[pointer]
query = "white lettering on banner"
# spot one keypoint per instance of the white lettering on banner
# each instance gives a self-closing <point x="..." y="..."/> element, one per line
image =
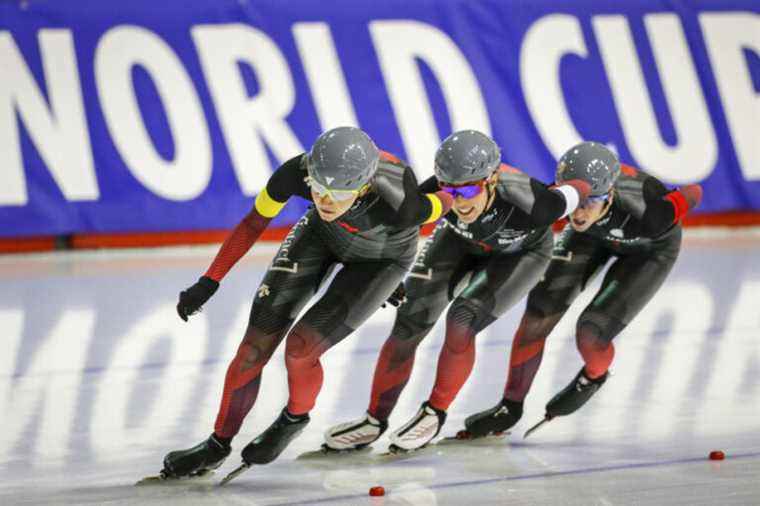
<point x="694" y="155"/>
<point x="726" y="34"/>
<point x="118" y="51"/>
<point x="325" y="75"/>
<point x="249" y="121"/>
<point x="52" y="381"/>
<point x="59" y="131"/>
<point x="546" y="42"/>
<point x="174" y="389"/>
<point x="399" y="44"/>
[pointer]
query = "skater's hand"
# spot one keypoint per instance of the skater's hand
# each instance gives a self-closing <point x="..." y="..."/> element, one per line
<point x="398" y="296"/>
<point x="191" y="300"/>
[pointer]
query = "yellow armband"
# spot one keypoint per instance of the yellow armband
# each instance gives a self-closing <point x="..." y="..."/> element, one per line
<point x="267" y="206"/>
<point x="435" y="202"/>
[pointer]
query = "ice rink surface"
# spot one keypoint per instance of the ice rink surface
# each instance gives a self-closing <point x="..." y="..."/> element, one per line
<point x="99" y="378"/>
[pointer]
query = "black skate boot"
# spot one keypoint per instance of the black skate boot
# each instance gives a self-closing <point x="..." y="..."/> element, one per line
<point x="574" y="395"/>
<point x="196" y="461"/>
<point x="492" y="421"/>
<point x="271" y="443"/>
<point x="571" y="398"/>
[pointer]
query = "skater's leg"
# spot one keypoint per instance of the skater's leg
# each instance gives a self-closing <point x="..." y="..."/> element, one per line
<point x="464" y="320"/>
<point x="597" y="351"/>
<point x="291" y="280"/>
<point x="576" y="260"/>
<point x="241" y="383"/>
<point x="333" y="317"/>
<point x="528" y="348"/>
<point x="493" y="290"/>
<point x="301" y="263"/>
<point x="340" y="311"/>
<point x="628" y="286"/>
<point x="498" y="282"/>
<point x="395" y="363"/>
<point x="430" y="286"/>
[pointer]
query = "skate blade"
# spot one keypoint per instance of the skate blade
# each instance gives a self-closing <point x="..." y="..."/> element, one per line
<point x="151" y="480"/>
<point x="537" y="426"/>
<point x="234" y="474"/>
<point x="162" y="479"/>
<point x="397" y="453"/>
<point x="463" y="438"/>
<point x="328" y="453"/>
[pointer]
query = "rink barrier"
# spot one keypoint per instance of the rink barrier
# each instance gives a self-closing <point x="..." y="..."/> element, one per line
<point x="196" y="237"/>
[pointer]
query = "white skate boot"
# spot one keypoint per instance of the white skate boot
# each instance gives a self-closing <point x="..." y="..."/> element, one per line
<point x="354" y="435"/>
<point x="418" y="431"/>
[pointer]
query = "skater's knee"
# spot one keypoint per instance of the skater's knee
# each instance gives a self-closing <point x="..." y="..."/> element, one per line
<point x="298" y="344"/>
<point x="464" y="320"/>
<point x="410" y="331"/>
<point x="597" y="328"/>
<point x="303" y="346"/>
<point x="535" y="327"/>
<point x="459" y="343"/>
<point x="256" y="349"/>
<point x="588" y="336"/>
<point x="262" y="336"/>
<point x="545" y="306"/>
<point x="400" y="350"/>
<point x="468" y="315"/>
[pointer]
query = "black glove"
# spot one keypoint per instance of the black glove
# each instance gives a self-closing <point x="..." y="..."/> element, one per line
<point x="398" y="296"/>
<point x="191" y="300"/>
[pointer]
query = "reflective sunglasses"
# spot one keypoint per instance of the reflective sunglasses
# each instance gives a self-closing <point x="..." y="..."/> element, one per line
<point x="466" y="191"/>
<point x="335" y="195"/>
<point x="592" y="200"/>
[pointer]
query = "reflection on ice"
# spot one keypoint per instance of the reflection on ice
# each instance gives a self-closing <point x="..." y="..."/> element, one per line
<point x="99" y="378"/>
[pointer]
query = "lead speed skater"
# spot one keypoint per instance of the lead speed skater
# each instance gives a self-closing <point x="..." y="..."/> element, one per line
<point x="366" y="216"/>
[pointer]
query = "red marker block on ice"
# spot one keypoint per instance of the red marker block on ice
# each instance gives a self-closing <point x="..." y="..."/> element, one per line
<point x="717" y="455"/>
<point x="376" y="491"/>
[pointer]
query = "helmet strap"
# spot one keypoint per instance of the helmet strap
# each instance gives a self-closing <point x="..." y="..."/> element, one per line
<point x="364" y="189"/>
<point x="607" y="205"/>
<point x="491" y="191"/>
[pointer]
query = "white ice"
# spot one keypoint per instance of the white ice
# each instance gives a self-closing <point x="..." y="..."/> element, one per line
<point x="99" y="378"/>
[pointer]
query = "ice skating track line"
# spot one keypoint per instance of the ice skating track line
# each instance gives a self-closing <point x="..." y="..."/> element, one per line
<point x="550" y="474"/>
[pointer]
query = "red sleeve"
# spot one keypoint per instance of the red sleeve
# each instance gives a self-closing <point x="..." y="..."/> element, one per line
<point x="684" y="199"/>
<point x="237" y="244"/>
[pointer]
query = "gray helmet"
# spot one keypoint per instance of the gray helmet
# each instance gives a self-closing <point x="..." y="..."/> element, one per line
<point x="465" y="156"/>
<point x="590" y="162"/>
<point x="344" y="158"/>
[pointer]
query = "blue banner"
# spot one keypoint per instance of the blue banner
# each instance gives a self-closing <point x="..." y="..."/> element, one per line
<point x="171" y="115"/>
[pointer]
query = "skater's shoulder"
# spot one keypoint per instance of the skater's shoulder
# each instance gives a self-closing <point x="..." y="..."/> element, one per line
<point x="634" y="188"/>
<point x="391" y="169"/>
<point x="511" y="179"/>
<point x="396" y="185"/>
